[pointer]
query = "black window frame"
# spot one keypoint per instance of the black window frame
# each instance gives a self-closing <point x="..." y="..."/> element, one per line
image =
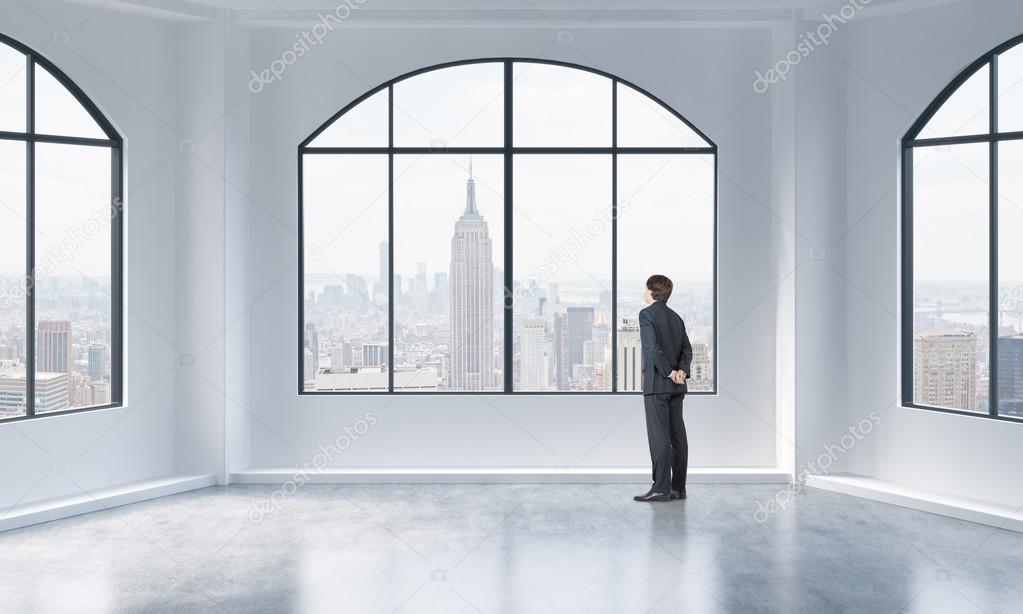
<point x="508" y="151"/>
<point x="115" y="143"/>
<point x="910" y="142"/>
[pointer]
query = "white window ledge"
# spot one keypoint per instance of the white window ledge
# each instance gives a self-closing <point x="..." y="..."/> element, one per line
<point x="972" y="510"/>
<point x="100" y="499"/>
<point x="500" y="475"/>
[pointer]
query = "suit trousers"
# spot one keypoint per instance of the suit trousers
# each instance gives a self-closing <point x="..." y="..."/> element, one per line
<point x="669" y="447"/>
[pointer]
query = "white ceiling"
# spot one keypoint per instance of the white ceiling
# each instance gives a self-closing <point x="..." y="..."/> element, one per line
<point x="515" y="4"/>
<point x="610" y="11"/>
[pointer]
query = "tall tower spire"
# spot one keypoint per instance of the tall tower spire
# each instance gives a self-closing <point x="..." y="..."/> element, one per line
<point x="471" y="286"/>
<point x="470" y="196"/>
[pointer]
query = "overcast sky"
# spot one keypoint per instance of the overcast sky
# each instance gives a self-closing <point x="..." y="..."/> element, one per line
<point x="562" y="203"/>
<point x="346" y="198"/>
<point x="72" y="181"/>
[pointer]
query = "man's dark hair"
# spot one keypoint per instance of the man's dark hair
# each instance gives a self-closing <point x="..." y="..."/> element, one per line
<point x="660" y="287"/>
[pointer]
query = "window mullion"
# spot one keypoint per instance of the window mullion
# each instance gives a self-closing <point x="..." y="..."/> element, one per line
<point x="614" y="235"/>
<point x="390" y="238"/>
<point x="993" y="242"/>
<point x="30" y="202"/>
<point x="908" y="280"/>
<point x="509" y="277"/>
<point x="116" y="275"/>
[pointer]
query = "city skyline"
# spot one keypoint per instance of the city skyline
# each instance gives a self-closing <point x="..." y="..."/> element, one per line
<point x="380" y="224"/>
<point x="471" y="278"/>
<point x="446" y="337"/>
<point x="952" y="353"/>
<point x="72" y="348"/>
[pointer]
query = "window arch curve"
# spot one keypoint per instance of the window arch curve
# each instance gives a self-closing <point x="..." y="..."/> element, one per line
<point x="60" y="243"/>
<point x="962" y="267"/>
<point x="482" y="226"/>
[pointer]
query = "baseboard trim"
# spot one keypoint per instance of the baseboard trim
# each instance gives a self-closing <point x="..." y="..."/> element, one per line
<point x="100" y="499"/>
<point x="397" y="475"/>
<point x="972" y="510"/>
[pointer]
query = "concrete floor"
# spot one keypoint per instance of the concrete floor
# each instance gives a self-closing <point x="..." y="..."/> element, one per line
<point x="508" y="548"/>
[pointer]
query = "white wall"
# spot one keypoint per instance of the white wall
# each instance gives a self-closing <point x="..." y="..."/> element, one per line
<point x="212" y="278"/>
<point x="808" y="345"/>
<point x="897" y="66"/>
<point x="66" y="455"/>
<point x="819" y="268"/>
<point x="200" y="260"/>
<point x="705" y="73"/>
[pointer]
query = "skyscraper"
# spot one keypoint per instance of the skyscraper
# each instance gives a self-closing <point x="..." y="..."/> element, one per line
<point x="374" y="355"/>
<point x="357" y="293"/>
<point x="945" y="369"/>
<point x="580" y="330"/>
<point x="332" y="297"/>
<point x="1010" y="375"/>
<point x="440" y="282"/>
<point x="341" y="355"/>
<point x="52" y="392"/>
<point x="53" y="346"/>
<point x="559" y="350"/>
<point x="472" y="300"/>
<point x="439" y="294"/>
<point x="308" y="366"/>
<point x="701" y="369"/>
<point x="534" y="355"/>
<point x="53" y="349"/>
<point x="97" y="362"/>
<point x="312" y="344"/>
<point x="601" y="341"/>
<point x="630" y="356"/>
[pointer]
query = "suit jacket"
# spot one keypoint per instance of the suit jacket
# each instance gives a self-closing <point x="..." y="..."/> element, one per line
<point x="666" y="348"/>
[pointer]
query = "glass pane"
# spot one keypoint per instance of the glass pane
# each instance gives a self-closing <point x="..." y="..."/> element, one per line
<point x="364" y="125"/>
<point x="1010" y="90"/>
<point x="461" y="106"/>
<point x="557" y="106"/>
<point x="965" y="112"/>
<point x="344" y="209"/>
<point x="73" y="308"/>
<point x="643" y="122"/>
<point x="13" y="80"/>
<point x="448" y="250"/>
<point x="950" y="277"/>
<point x="59" y="112"/>
<point x="12" y="279"/>
<point x="674" y="194"/>
<point x="562" y="251"/>
<point x="1010" y="283"/>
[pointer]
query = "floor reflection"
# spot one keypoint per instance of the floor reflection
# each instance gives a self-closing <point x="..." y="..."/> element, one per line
<point x="508" y="548"/>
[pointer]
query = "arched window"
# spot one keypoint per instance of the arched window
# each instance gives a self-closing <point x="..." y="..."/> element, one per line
<point x="488" y="226"/>
<point x="962" y="257"/>
<point x="60" y="243"/>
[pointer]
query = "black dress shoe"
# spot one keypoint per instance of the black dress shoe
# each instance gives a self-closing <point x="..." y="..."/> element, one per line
<point x="678" y="494"/>
<point x="653" y="496"/>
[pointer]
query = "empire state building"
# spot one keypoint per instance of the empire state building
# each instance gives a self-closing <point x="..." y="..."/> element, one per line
<point x="471" y="366"/>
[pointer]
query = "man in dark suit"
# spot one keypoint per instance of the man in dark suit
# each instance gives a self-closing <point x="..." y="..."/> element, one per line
<point x="667" y="355"/>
